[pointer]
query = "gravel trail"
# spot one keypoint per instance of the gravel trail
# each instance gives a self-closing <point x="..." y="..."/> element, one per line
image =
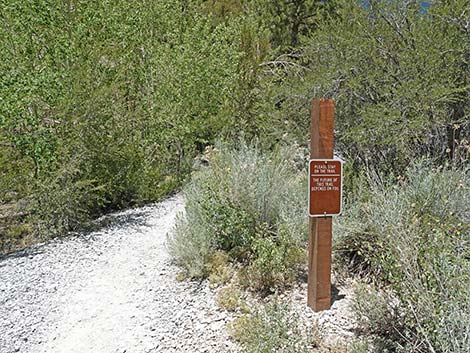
<point x="110" y="291"/>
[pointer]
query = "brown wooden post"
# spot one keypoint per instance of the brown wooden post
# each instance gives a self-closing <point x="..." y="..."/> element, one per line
<point x="319" y="265"/>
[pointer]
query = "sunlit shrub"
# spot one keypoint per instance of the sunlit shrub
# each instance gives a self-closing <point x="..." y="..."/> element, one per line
<point x="273" y="328"/>
<point x="250" y="205"/>
<point x="413" y="237"/>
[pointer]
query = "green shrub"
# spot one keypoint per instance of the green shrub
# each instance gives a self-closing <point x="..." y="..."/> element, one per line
<point x="398" y="72"/>
<point x="64" y="201"/>
<point x="414" y="236"/>
<point x="379" y="315"/>
<point x="231" y="298"/>
<point x="272" y="262"/>
<point x="358" y="346"/>
<point x="123" y="93"/>
<point x="273" y="328"/>
<point x="250" y="205"/>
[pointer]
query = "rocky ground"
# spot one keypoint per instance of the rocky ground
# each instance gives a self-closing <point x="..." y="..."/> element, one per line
<point x="115" y="291"/>
<point x="109" y="291"/>
<point x="336" y="326"/>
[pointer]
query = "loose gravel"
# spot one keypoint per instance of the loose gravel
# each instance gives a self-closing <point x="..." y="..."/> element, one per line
<point x="112" y="290"/>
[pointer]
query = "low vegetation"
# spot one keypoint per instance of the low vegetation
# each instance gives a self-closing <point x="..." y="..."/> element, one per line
<point x="411" y="237"/>
<point x="408" y="237"/>
<point x="273" y="328"/>
<point x="248" y="205"/>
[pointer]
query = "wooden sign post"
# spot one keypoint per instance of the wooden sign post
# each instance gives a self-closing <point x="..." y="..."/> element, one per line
<point x="321" y="203"/>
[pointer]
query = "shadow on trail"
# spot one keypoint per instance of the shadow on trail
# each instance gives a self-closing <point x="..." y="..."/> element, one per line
<point x="133" y="218"/>
<point x="128" y="219"/>
<point x="335" y="294"/>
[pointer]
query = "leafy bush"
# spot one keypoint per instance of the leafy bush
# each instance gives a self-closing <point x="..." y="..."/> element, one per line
<point x="399" y="74"/>
<point x="64" y="201"/>
<point x="379" y="315"/>
<point x="273" y="263"/>
<point x="231" y="298"/>
<point x="104" y="104"/>
<point x="414" y="236"/>
<point x="273" y="328"/>
<point x="250" y="205"/>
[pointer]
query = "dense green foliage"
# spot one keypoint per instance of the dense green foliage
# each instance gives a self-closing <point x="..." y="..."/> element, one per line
<point x="103" y="104"/>
<point x="400" y="77"/>
<point x="414" y="237"/>
<point x="249" y="205"/>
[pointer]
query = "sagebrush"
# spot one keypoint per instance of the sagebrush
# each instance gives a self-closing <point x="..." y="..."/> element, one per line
<point x="249" y="204"/>
<point x="412" y="236"/>
<point x="273" y="327"/>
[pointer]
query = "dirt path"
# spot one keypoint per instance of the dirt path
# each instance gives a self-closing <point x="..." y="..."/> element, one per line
<point x="109" y="291"/>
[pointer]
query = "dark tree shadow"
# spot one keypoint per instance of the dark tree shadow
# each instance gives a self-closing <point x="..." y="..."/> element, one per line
<point x="31" y="251"/>
<point x="126" y="219"/>
<point x="129" y="219"/>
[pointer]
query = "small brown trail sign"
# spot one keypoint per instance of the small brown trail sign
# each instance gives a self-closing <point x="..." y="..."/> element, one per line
<point x="325" y="187"/>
